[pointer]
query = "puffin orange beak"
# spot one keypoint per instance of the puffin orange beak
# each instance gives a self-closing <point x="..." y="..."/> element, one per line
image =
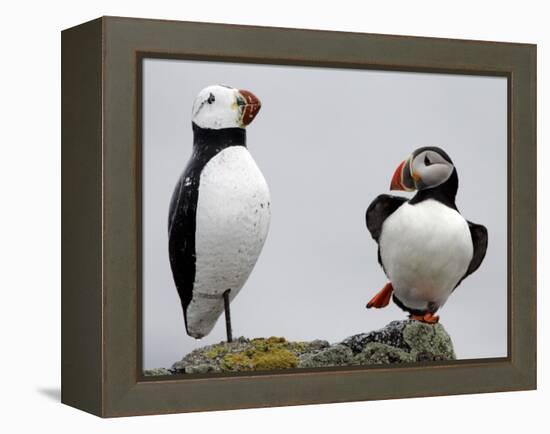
<point x="403" y="179"/>
<point x="250" y="105"/>
<point x="397" y="178"/>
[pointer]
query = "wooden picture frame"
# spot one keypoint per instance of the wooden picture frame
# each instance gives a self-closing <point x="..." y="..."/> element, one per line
<point x="101" y="199"/>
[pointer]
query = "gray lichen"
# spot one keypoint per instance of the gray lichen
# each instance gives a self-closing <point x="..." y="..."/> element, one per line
<point x="402" y="342"/>
<point x="155" y="372"/>
<point x="428" y="342"/>
<point x="399" y="342"/>
<point x="376" y="353"/>
<point x="334" y="355"/>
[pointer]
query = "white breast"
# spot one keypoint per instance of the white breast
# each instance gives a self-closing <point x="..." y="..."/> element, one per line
<point x="426" y="249"/>
<point x="232" y="221"/>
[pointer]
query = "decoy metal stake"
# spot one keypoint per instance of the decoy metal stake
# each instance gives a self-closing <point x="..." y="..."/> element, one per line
<point x="227" y="315"/>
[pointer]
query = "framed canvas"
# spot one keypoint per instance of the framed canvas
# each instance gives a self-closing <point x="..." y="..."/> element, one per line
<point x="199" y="160"/>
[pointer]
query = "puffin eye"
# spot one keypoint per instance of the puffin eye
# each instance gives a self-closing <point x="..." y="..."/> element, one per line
<point x="211" y="98"/>
<point x="427" y="161"/>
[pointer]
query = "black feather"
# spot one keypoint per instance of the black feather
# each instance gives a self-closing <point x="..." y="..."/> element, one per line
<point x="480" y="240"/>
<point x="379" y="210"/>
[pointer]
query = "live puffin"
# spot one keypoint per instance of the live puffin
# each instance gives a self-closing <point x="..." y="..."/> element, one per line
<point x="425" y="246"/>
<point x="220" y="210"/>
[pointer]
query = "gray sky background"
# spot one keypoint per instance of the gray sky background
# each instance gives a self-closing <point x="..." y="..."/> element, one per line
<point x="327" y="141"/>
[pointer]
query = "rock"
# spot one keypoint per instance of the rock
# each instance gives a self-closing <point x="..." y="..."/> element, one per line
<point x="202" y="368"/>
<point x="209" y="358"/>
<point x="259" y="354"/>
<point x="376" y="353"/>
<point x="391" y="335"/>
<point x="399" y="342"/>
<point x="317" y="344"/>
<point x="429" y="342"/>
<point x="402" y="342"/>
<point x="335" y="355"/>
<point x="156" y="372"/>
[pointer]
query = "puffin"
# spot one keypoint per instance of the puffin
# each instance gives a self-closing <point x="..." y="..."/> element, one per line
<point x="425" y="246"/>
<point x="219" y="213"/>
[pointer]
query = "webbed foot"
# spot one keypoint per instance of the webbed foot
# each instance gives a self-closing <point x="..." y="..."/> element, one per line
<point x="382" y="298"/>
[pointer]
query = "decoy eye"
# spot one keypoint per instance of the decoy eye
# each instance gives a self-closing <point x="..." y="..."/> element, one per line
<point x="427" y="161"/>
<point x="211" y="99"/>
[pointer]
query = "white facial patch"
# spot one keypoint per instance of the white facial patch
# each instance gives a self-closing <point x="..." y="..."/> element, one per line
<point x="431" y="168"/>
<point x="216" y="107"/>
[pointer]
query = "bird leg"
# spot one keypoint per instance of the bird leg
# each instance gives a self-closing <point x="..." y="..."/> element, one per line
<point x="227" y="315"/>
<point x="382" y="298"/>
<point x="428" y="318"/>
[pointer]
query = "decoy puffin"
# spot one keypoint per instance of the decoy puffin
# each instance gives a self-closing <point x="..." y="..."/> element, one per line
<point x="220" y="210"/>
<point x="425" y="246"/>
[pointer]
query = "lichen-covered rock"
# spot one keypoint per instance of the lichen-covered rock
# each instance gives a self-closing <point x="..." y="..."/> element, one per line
<point x="402" y="342"/>
<point x="201" y="368"/>
<point x="334" y="355"/>
<point x="262" y="354"/>
<point x="399" y="342"/>
<point x="391" y="335"/>
<point x="429" y="342"/>
<point x="155" y="372"/>
<point x="376" y="353"/>
<point x="208" y="358"/>
<point x="259" y="354"/>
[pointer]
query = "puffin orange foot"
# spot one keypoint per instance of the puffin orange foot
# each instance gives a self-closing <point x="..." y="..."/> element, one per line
<point x="382" y="298"/>
<point x="428" y="318"/>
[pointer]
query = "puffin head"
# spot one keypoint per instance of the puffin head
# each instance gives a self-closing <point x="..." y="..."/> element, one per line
<point x="426" y="167"/>
<point x="220" y="106"/>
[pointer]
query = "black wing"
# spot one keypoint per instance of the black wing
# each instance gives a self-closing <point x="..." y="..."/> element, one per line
<point x="379" y="210"/>
<point x="480" y="239"/>
<point x="182" y="222"/>
<point x="181" y="233"/>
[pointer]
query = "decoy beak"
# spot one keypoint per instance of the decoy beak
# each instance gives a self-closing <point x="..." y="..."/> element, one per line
<point x="249" y="105"/>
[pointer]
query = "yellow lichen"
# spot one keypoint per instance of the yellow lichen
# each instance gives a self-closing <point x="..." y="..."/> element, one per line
<point x="276" y="359"/>
<point x="216" y="351"/>
<point x="237" y="362"/>
<point x="298" y="346"/>
<point x="263" y="354"/>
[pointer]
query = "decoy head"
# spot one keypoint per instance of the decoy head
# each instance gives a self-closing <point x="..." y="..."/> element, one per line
<point x="426" y="167"/>
<point x="220" y="106"/>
